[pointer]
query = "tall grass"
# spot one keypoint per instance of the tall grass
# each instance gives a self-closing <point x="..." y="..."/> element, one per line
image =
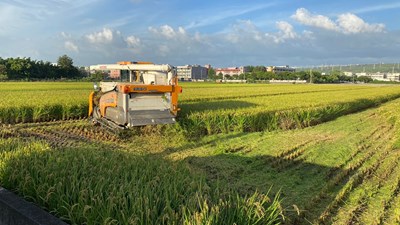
<point x="95" y="186"/>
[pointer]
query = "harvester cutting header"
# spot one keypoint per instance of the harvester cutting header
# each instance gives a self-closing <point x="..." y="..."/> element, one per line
<point x="144" y="94"/>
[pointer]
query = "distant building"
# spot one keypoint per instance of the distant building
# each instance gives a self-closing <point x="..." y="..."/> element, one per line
<point x="393" y="76"/>
<point x="381" y="76"/>
<point x="208" y="66"/>
<point x="280" y="69"/>
<point x="192" y="72"/>
<point x="377" y="76"/>
<point x="385" y="76"/>
<point x="232" y="70"/>
<point x="361" y="74"/>
<point x="348" y="73"/>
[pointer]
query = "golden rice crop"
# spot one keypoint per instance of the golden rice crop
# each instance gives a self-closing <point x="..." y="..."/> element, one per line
<point x="103" y="186"/>
<point x="279" y="111"/>
<point x="207" y="91"/>
<point x="42" y="101"/>
<point x="206" y="108"/>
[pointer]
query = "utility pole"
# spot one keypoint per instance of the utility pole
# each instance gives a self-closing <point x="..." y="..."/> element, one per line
<point x="311" y="76"/>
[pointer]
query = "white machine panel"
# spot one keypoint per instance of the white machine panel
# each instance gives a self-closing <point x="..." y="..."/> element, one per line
<point x="156" y="101"/>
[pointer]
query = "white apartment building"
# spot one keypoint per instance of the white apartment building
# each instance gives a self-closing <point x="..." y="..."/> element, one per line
<point x="191" y="72"/>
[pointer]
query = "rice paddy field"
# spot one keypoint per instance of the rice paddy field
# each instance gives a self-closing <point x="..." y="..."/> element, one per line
<point x="239" y="154"/>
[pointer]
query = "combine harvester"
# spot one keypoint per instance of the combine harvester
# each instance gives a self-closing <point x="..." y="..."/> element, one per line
<point x="145" y="94"/>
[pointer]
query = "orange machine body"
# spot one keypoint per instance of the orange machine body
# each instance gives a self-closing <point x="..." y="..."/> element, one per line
<point x="137" y="103"/>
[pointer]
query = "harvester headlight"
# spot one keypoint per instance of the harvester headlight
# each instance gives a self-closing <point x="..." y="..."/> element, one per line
<point x="96" y="87"/>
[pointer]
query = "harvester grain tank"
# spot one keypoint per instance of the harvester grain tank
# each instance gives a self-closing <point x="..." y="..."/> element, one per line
<point x="147" y="95"/>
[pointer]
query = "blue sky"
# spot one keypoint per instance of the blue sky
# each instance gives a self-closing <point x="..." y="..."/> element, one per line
<point x="221" y="33"/>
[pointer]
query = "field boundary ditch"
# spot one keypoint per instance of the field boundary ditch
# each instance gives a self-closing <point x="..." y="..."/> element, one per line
<point x="16" y="211"/>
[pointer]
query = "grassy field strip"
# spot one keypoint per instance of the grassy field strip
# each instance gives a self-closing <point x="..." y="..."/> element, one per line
<point x="368" y="166"/>
<point x="387" y="178"/>
<point x="342" y="172"/>
<point x="392" y="213"/>
<point x="69" y="134"/>
<point x="365" y="204"/>
<point x="295" y="155"/>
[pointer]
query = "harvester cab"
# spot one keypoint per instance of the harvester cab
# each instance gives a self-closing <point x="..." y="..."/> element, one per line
<point x="144" y="94"/>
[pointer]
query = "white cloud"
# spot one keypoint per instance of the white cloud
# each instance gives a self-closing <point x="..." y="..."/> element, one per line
<point x="286" y="32"/>
<point x="69" y="45"/>
<point x="244" y="30"/>
<point x="104" y="36"/>
<point x="198" y="37"/>
<point x="65" y="35"/>
<point x="308" y="34"/>
<point x="350" y="23"/>
<point x="168" y="32"/>
<point x="346" y="23"/>
<point x="181" y="31"/>
<point x="133" y="41"/>
<point x="171" y="40"/>
<point x="303" y="16"/>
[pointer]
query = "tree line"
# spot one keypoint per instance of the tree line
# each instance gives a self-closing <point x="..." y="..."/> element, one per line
<point x="259" y="73"/>
<point x="28" y="69"/>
